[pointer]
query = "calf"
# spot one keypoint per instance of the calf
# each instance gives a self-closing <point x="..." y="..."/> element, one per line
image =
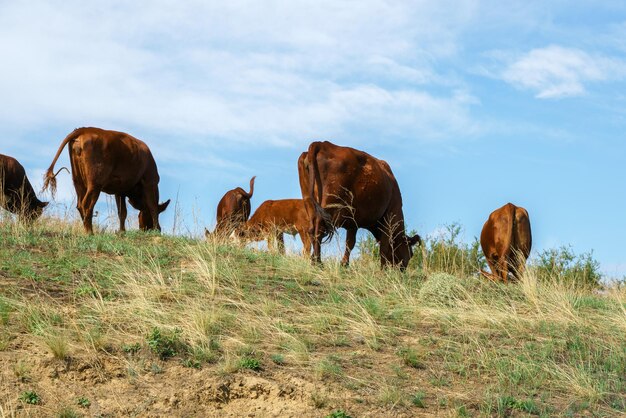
<point x="275" y="217"/>
<point x="233" y="210"/>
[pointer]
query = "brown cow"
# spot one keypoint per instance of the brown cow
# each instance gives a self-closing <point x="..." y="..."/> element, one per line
<point x="233" y="210"/>
<point x="18" y="195"/>
<point x="350" y="189"/>
<point x="114" y="163"/>
<point x="506" y="241"/>
<point x="275" y="217"/>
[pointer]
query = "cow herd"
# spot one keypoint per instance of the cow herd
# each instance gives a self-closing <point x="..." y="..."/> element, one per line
<point x="341" y="188"/>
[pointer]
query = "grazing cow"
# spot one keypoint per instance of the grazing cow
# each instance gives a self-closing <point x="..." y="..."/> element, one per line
<point x="18" y="196"/>
<point x="506" y="241"/>
<point x="275" y="217"/>
<point x="114" y="163"/>
<point x="233" y="210"/>
<point x="350" y="189"/>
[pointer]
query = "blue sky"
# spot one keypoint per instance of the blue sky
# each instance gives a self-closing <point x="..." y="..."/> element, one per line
<point x="473" y="103"/>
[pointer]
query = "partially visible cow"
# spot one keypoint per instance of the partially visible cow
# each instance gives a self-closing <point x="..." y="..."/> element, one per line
<point x="506" y="241"/>
<point x="18" y="195"/>
<point x="115" y="163"/>
<point x="346" y="188"/>
<point x="275" y="217"/>
<point x="233" y="210"/>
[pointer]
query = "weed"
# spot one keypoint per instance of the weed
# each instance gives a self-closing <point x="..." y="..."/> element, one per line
<point x="83" y="402"/>
<point x="165" y="344"/>
<point x="191" y="363"/>
<point x="338" y="414"/>
<point x="131" y="349"/>
<point x="67" y="412"/>
<point x="418" y="399"/>
<point x="329" y="367"/>
<point x="278" y="359"/>
<point x="250" y="363"/>
<point x="411" y="358"/>
<point x="30" y="397"/>
<point x="22" y="371"/>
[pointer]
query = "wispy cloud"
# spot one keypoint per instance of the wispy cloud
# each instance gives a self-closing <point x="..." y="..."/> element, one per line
<point x="556" y="72"/>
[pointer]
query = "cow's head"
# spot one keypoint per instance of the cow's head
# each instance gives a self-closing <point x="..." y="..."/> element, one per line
<point x="34" y="210"/>
<point x="145" y="220"/>
<point x="400" y="252"/>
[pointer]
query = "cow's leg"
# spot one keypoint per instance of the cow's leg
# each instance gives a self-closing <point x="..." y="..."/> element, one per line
<point x="317" y="240"/>
<point x="88" y="204"/>
<point x="306" y="242"/>
<point x="120" y="201"/>
<point x="493" y="266"/>
<point x="350" y="242"/>
<point x="280" y="242"/>
<point x="81" y="191"/>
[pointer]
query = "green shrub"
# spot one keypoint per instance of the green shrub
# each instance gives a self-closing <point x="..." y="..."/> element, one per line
<point x="563" y="265"/>
<point x="447" y="253"/>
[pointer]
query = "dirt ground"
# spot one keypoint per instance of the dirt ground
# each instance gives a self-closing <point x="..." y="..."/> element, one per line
<point x="117" y="385"/>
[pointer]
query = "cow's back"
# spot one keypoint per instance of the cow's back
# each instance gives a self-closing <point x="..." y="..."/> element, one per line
<point x="113" y="161"/>
<point x="356" y="186"/>
<point x="284" y="212"/>
<point x="12" y="173"/>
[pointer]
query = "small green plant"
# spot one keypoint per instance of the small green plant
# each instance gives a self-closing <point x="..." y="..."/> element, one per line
<point x="329" y="367"/>
<point x="418" y="399"/>
<point x="131" y="348"/>
<point x="340" y="413"/>
<point x="67" y="412"/>
<point x="30" y="397"/>
<point x="278" y="359"/>
<point x="165" y="344"/>
<point x="84" y="402"/>
<point x="411" y="358"/>
<point x="250" y="363"/>
<point x="191" y="363"/>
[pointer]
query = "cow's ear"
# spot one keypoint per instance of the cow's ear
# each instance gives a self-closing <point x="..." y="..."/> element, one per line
<point x="43" y="204"/>
<point x="415" y="239"/>
<point x="164" y="205"/>
<point x="207" y="234"/>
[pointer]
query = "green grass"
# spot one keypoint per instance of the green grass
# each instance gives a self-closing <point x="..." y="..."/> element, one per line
<point x="541" y="346"/>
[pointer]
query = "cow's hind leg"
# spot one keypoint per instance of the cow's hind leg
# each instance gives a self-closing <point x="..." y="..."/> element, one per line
<point x="88" y="203"/>
<point x="122" y="212"/>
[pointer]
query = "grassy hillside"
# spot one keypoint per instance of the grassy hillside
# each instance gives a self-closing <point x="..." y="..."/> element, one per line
<point x="148" y="325"/>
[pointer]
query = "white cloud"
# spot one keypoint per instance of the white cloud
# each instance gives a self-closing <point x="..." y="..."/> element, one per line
<point x="273" y="72"/>
<point x="556" y="72"/>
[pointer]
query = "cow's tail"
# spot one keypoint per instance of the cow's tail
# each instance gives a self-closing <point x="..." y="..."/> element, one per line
<point x="251" y="192"/>
<point x="315" y="178"/>
<point x="50" y="180"/>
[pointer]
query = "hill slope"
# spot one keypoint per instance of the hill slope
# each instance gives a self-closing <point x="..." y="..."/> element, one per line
<point x="148" y="325"/>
